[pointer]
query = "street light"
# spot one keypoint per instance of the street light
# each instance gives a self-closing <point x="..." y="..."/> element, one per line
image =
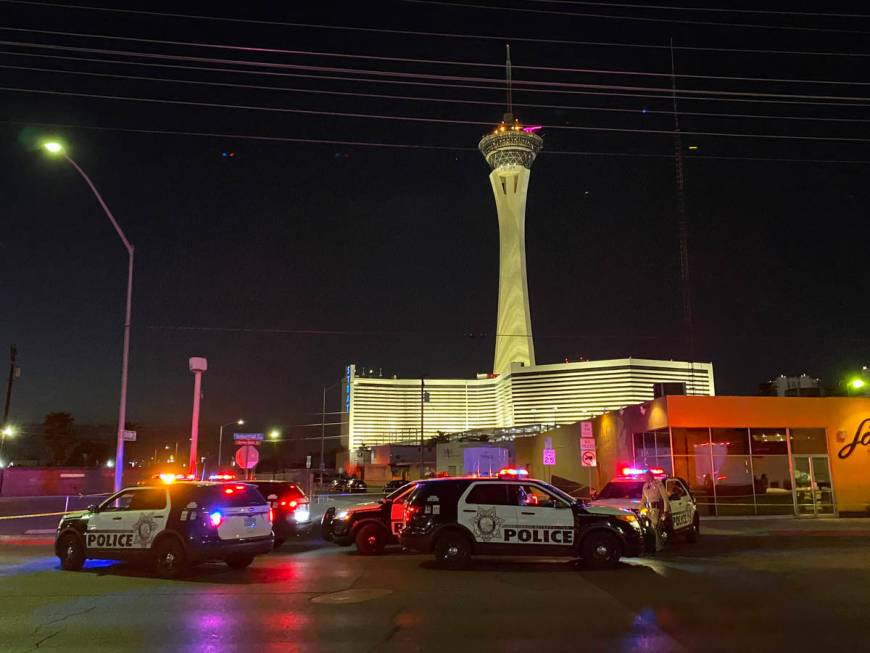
<point x="274" y="435"/>
<point x="240" y="422"/>
<point x="7" y="432"/>
<point x="55" y="148"/>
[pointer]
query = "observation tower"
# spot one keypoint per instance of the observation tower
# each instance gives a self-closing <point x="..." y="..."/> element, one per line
<point x="510" y="149"/>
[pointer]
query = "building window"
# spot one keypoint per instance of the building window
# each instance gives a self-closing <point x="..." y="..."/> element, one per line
<point x="808" y="441"/>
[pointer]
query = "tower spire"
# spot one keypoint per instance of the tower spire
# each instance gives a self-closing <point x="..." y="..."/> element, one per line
<point x="509" y="116"/>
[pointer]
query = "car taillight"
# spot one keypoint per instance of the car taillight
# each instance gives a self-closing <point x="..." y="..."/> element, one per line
<point x="291" y="503"/>
<point x="409" y="512"/>
<point x="271" y="516"/>
<point x="216" y="518"/>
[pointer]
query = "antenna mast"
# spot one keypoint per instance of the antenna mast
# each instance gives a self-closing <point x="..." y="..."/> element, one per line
<point x="509" y="116"/>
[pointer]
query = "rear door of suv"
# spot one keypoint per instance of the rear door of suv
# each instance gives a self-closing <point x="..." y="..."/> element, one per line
<point x="488" y="510"/>
<point x="244" y="513"/>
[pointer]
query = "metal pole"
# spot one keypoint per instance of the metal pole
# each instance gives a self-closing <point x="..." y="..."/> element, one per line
<point x="12" y="354"/>
<point x="220" y="447"/>
<point x="422" y="405"/>
<point x="122" y="408"/>
<point x="322" y="435"/>
<point x="194" y="423"/>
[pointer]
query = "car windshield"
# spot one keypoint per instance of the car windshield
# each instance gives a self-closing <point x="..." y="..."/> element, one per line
<point x="622" y="490"/>
<point x="558" y="492"/>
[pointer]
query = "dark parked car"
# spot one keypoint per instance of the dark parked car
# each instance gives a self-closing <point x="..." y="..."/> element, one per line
<point x="356" y="485"/>
<point x="290" y="508"/>
<point x="392" y="486"/>
<point x="371" y="526"/>
<point x="338" y="485"/>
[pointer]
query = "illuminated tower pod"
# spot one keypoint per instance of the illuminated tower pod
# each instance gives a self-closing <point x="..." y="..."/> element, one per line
<point x="510" y="150"/>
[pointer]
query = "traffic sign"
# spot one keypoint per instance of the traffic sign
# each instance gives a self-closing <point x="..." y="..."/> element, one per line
<point x="247" y="457"/>
<point x="129" y="436"/>
<point x="248" y="438"/>
<point x="587" y="444"/>
<point x="589" y="459"/>
<point x="549" y="456"/>
<point x="586" y="430"/>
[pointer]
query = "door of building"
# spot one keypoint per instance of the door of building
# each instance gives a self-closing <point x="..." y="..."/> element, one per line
<point x="813" y="491"/>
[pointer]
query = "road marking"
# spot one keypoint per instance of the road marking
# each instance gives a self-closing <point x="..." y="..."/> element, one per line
<point x="41" y="531"/>
<point x="351" y="596"/>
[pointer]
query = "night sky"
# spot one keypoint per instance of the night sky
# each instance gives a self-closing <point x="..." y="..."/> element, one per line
<point x="394" y="251"/>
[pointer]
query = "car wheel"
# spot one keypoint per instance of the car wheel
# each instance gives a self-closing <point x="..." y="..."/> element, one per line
<point x="71" y="552"/>
<point x="169" y="558"/>
<point x="453" y="551"/>
<point x="326" y="524"/>
<point x="601" y="550"/>
<point x="694" y="531"/>
<point x="371" y="540"/>
<point x="239" y="561"/>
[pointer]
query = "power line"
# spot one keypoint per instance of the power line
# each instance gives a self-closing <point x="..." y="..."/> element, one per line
<point x="644" y="19"/>
<point x="410" y="82"/>
<point x="429" y="76"/>
<point x="446" y="121"/>
<point x="418" y="33"/>
<point x="434" y="62"/>
<point x="622" y="5"/>
<point x="427" y="99"/>
<point x="415" y="146"/>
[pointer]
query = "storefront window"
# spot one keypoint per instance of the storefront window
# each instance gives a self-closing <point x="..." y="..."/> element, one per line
<point x="768" y="442"/>
<point x="733" y="475"/>
<point x="734" y="441"/>
<point x="810" y="441"/>
<point x="696" y="471"/>
<point x="773" y="489"/>
<point x="685" y="440"/>
<point x="653" y="449"/>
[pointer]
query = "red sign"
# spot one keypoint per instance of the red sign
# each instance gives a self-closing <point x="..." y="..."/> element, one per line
<point x="247" y="457"/>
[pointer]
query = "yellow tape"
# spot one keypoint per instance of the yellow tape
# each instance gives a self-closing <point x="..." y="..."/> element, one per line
<point x="41" y="514"/>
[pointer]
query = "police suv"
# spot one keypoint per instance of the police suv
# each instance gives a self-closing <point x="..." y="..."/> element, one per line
<point x="173" y="526"/>
<point x="372" y="526"/>
<point x="626" y="491"/>
<point x="455" y="518"/>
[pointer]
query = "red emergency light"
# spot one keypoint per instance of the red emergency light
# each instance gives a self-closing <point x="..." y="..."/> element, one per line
<point x="635" y="471"/>
<point x="511" y="471"/>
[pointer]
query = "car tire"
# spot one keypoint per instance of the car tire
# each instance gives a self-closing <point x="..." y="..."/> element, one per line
<point x="694" y="531"/>
<point x="239" y="561"/>
<point x="71" y="552"/>
<point x="371" y="540"/>
<point x="169" y="558"/>
<point x="452" y="551"/>
<point x="601" y="550"/>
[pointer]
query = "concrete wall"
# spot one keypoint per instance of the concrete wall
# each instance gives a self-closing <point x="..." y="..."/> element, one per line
<point x="47" y="481"/>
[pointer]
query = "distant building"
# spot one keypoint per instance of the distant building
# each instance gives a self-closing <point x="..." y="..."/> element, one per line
<point x="792" y="386"/>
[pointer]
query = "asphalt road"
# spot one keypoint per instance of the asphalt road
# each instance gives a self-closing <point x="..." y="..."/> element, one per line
<point x="796" y="592"/>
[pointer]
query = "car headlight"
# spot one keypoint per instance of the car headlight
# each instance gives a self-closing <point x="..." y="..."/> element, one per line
<point x="344" y="514"/>
<point x="631" y="519"/>
<point x="301" y="514"/>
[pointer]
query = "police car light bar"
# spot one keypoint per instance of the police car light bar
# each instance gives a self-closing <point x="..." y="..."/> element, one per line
<point x="510" y="471"/>
<point x="222" y="477"/>
<point x="634" y="471"/>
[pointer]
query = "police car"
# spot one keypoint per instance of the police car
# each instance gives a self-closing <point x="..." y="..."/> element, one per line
<point x="455" y="518"/>
<point x="290" y="508"/>
<point x="173" y="526"/>
<point x="626" y="491"/>
<point x="372" y="526"/>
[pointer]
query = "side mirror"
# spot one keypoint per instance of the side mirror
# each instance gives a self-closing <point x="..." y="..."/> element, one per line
<point x="93" y="508"/>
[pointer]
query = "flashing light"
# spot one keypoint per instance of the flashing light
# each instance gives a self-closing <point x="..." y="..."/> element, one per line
<point x="52" y="147"/>
<point x="228" y="490"/>
<point x="271" y="516"/>
<point x="511" y="471"/>
<point x="636" y="471"/>
<point x="240" y="487"/>
<point x="167" y="478"/>
<point x="222" y="477"/>
<point x="302" y="514"/>
<point x="110" y="464"/>
<point x="216" y="518"/>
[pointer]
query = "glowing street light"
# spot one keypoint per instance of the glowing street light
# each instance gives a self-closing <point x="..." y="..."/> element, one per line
<point x="7" y="432"/>
<point x="274" y="434"/>
<point x="857" y="383"/>
<point x="56" y="148"/>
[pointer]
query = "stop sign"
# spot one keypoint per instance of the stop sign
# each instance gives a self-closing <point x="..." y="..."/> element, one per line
<point x="247" y="457"/>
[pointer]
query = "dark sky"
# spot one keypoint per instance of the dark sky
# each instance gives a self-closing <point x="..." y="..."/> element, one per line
<point x="398" y="248"/>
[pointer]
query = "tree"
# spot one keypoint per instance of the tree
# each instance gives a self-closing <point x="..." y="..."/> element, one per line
<point x="59" y="435"/>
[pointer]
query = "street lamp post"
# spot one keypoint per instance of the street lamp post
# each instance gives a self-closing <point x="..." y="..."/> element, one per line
<point x="55" y="148"/>
<point x="274" y="435"/>
<point x="240" y="422"/>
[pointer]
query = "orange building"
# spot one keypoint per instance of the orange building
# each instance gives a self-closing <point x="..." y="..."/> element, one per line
<point x="740" y="455"/>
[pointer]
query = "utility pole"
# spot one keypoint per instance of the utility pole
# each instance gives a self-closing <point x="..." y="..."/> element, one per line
<point x="197" y="365"/>
<point x="424" y="398"/>
<point x="14" y="373"/>
<point x="322" y="435"/>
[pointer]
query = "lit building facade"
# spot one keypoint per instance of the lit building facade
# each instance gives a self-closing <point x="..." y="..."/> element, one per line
<point x="381" y="411"/>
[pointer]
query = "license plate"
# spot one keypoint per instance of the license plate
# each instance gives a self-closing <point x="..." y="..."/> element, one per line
<point x="250" y="522"/>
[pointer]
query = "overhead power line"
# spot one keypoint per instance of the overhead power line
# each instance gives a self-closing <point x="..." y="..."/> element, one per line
<point x="429" y="99"/>
<point x="416" y="146"/>
<point x="773" y="12"/>
<point x="418" y="33"/>
<point x="642" y="19"/>
<point x="429" y="76"/>
<point x="433" y="62"/>
<point x="423" y="119"/>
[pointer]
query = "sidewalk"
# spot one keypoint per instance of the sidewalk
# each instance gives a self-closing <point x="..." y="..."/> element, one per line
<point x="786" y="526"/>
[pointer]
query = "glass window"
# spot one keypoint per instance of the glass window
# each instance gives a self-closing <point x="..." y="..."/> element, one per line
<point x="150" y="499"/>
<point x="768" y="442"/>
<point x="808" y="440"/>
<point x="735" y="441"/>
<point x="697" y="471"/>
<point x="621" y="490"/>
<point x="773" y="495"/>
<point x="490" y="494"/>
<point x="675" y="489"/>
<point x="531" y="495"/>
<point x="663" y="443"/>
<point x="734" y="487"/>
<point x="120" y="501"/>
<point x="685" y="441"/>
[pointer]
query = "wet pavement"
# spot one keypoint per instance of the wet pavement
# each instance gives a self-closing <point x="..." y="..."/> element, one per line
<point x="730" y="592"/>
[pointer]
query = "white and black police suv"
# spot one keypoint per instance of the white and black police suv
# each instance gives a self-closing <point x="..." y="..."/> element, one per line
<point x="626" y="491"/>
<point x="371" y="526"/>
<point x="455" y="518"/>
<point x="172" y="526"/>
